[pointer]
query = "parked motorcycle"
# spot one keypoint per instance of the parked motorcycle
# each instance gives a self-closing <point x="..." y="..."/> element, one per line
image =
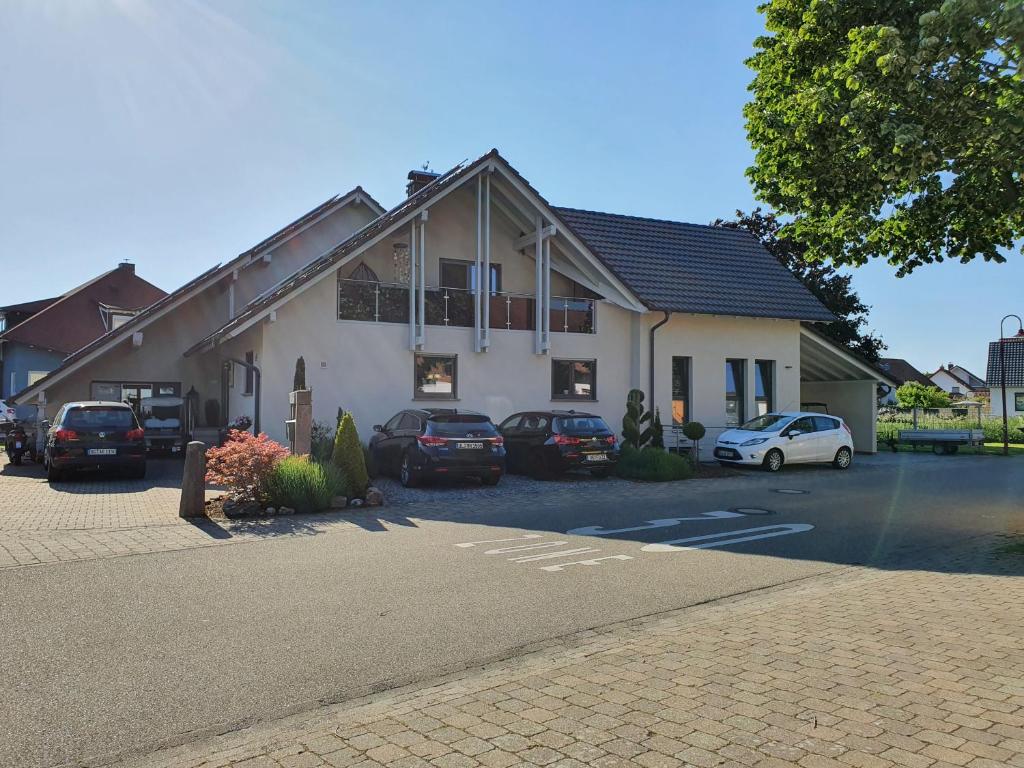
<point x="18" y="443"/>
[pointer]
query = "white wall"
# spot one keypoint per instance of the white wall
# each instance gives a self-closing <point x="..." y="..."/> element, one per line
<point x="947" y="383"/>
<point x="854" y="402"/>
<point x="997" y="401"/>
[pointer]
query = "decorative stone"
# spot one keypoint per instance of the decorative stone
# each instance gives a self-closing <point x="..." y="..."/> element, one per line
<point x="271" y="511"/>
<point x="286" y="511"/>
<point x="193" y="482"/>
<point x="339" y="502"/>
<point x="356" y="503"/>
<point x="374" y="497"/>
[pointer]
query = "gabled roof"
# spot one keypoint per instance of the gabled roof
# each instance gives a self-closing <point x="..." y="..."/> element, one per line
<point x="1014" y="353"/>
<point x="31" y="307"/>
<point x="191" y="288"/>
<point x="76" y="318"/>
<point x="901" y="371"/>
<point x="972" y="382"/>
<point x="678" y="267"/>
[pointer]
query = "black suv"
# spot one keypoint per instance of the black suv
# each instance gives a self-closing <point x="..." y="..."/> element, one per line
<point x="437" y="442"/>
<point x="95" y="434"/>
<point x="544" y="443"/>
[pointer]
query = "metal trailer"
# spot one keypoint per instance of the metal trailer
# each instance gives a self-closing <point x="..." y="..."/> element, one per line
<point x="165" y="423"/>
<point x="942" y="441"/>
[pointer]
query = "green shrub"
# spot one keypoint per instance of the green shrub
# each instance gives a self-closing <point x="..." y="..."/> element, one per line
<point x="657" y="431"/>
<point x="321" y="442"/>
<point x="634" y="431"/>
<point x="304" y="485"/>
<point x="299" y="379"/>
<point x="652" y="464"/>
<point x="348" y="456"/>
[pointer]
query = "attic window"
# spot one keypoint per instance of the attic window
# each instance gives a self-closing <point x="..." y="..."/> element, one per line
<point x="115" y="317"/>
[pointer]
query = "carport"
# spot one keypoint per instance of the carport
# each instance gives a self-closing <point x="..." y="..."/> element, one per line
<point x="847" y="385"/>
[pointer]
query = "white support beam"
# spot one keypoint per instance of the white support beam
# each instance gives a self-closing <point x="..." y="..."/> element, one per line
<point x="539" y="300"/>
<point x="477" y="299"/>
<point x="412" y="286"/>
<point x="527" y="240"/>
<point x="423" y="280"/>
<point x="484" y="274"/>
<point x="546" y="340"/>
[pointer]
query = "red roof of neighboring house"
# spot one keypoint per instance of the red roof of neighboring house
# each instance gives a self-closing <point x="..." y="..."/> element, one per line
<point x="75" y="319"/>
<point x="31" y="307"/>
<point x="902" y="371"/>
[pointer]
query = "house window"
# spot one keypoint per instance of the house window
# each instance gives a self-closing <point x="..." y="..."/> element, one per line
<point x="436" y="377"/>
<point x="764" y="386"/>
<point x="574" y="379"/>
<point x="1018" y="401"/>
<point x="680" y="390"/>
<point x="735" y="392"/>
<point x="462" y="275"/>
<point x="250" y="358"/>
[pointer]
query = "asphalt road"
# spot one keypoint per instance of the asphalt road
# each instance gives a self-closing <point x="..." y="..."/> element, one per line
<point x="107" y="657"/>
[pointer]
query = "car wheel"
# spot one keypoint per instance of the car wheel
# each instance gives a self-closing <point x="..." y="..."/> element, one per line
<point x="16" y="459"/>
<point x="53" y="474"/>
<point x="137" y="473"/>
<point x="536" y="467"/>
<point x="406" y="474"/>
<point x="371" y="464"/>
<point x="601" y="473"/>
<point x="843" y="459"/>
<point x="490" y="479"/>
<point x="774" y="460"/>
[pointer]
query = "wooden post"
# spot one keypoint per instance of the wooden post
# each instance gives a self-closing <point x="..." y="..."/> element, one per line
<point x="193" y="482"/>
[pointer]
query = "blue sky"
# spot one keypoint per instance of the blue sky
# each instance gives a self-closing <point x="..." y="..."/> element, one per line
<point x="177" y="134"/>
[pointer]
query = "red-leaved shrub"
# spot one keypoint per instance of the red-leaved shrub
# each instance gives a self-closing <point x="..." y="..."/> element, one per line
<point x="244" y="463"/>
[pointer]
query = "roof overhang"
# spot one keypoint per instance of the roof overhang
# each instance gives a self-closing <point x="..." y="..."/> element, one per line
<point x="823" y="360"/>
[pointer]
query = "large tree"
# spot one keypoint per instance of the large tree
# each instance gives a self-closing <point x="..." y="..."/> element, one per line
<point x="892" y="128"/>
<point x="830" y="286"/>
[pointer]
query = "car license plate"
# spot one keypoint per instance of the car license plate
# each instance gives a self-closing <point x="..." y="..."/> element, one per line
<point x="17" y="443"/>
<point x="596" y="457"/>
<point x="477" y="446"/>
<point x="102" y="451"/>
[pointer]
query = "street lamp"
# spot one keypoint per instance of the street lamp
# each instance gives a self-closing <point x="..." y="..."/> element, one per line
<point x="1002" y="375"/>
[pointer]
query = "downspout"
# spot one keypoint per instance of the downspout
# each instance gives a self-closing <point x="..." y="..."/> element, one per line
<point x="257" y="388"/>
<point x="654" y="329"/>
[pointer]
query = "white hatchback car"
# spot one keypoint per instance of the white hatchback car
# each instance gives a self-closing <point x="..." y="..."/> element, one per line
<point x="775" y="439"/>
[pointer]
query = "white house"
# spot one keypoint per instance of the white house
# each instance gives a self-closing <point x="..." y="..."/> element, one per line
<point x="1013" y="353"/>
<point x="959" y="382"/>
<point x="475" y="292"/>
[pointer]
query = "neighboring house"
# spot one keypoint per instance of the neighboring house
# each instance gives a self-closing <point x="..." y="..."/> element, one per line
<point x="1014" y="355"/>
<point x="960" y="383"/>
<point x="47" y="331"/>
<point x="475" y="292"/>
<point x="900" y="371"/>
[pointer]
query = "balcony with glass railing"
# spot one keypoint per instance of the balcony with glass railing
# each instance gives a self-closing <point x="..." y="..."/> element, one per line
<point x="371" y="301"/>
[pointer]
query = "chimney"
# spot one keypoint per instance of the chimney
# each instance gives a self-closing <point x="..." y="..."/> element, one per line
<point x="127" y="266"/>
<point x="418" y="180"/>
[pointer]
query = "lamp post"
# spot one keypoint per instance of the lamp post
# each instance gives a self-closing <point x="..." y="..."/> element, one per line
<point x="1002" y="376"/>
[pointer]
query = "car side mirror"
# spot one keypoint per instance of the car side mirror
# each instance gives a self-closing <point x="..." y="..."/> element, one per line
<point x="378" y="428"/>
<point x="793" y="433"/>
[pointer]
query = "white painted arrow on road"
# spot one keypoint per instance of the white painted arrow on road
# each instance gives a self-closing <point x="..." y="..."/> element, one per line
<point x="728" y="537"/>
<point x="650" y="525"/>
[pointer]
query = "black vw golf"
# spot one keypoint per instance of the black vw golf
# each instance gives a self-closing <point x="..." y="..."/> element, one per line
<point x="437" y="442"/>
<point x="544" y="443"/>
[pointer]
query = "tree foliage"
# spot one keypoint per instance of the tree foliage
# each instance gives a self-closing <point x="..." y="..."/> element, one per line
<point x="636" y="424"/>
<point x="299" y="379"/>
<point x="832" y="288"/>
<point x="349" y="458"/>
<point x="244" y="464"/>
<point x="892" y="129"/>
<point x="913" y="394"/>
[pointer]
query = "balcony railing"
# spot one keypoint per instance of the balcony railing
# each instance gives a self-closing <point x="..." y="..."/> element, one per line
<point x="371" y="301"/>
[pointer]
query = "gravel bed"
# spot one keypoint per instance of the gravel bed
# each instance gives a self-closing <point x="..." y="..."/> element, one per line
<point x="470" y="488"/>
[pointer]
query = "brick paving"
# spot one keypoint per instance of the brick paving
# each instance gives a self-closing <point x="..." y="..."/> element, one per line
<point x="860" y="669"/>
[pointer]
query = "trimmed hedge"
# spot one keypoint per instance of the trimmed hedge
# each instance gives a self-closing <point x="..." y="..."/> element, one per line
<point x="653" y="465"/>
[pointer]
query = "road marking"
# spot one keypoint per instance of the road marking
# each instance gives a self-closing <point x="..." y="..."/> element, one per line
<point x="523" y="547"/>
<point x="752" y="511"/>
<point x="552" y="555"/>
<point x="792" y="491"/>
<point x="592" y="561"/>
<point x="498" y="541"/>
<point x="597" y="530"/>
<point x="727" y="537"/>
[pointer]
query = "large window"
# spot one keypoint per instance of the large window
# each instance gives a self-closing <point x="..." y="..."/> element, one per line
<point x="680" y="390"/>
<point x="764" y="386"/>
<point x="1018" y="401"/>
<point x="250" y="374"/>
<point x="462" y="274"/>
<point x="735" y="392"/>
<point x="436" y="377"/>
<point x="574" y="379"/>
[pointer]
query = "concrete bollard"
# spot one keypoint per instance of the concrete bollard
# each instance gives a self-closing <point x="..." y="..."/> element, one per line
<point x="193" y="481"/>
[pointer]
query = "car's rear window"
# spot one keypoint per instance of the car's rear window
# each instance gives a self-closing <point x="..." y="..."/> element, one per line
<point x="460" y="425"/>
<point x="99" y="417"/>
<point x="587" y="424"/>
